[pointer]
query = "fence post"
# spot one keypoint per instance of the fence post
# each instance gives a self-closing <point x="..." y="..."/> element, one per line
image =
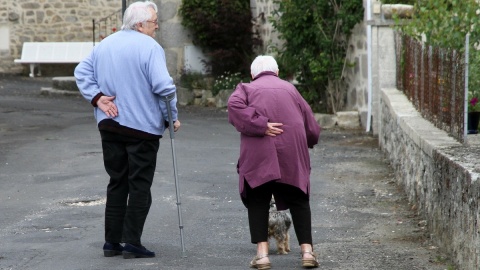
<point x="465" y="102"/>
<point x="93" y="32"/>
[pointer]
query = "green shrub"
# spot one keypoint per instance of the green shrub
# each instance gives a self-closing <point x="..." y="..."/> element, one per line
<point x="315" y="34"/>
<point x="474" y="78"/>
<point x="444" y="23"/>
<point x="223" y="29"/>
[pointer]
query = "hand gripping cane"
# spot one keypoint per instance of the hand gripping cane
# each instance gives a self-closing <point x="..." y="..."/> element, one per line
<point x="167" y="100"/>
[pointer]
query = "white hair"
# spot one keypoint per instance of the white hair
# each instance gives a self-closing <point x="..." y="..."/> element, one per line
<point x="137" y="12"/>
<point x="263" y="63"/>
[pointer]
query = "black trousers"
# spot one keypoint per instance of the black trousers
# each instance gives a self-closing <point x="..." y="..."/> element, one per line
<point x="130" y="163"/>
<point x="258" y="204"/>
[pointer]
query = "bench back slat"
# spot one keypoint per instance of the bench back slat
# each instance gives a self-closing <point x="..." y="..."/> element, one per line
<point x="54" y="52"/>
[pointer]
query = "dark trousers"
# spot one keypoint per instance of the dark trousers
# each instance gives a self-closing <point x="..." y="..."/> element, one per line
<point x="130" y="163"/>
<point x="258" y="204"/>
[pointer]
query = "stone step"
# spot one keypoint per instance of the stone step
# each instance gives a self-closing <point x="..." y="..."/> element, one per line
<point x="62" y="86"/>
<point x="343" y="120"/>
<point x="65" y="83"/>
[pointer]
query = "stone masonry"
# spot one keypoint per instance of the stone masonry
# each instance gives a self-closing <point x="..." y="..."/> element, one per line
<point x="172" y="35"/>
<point x="46" y="20"/>
<point x="71" y="20"/>
<point x="439" y="175"/>
<point x="261" y="11"/>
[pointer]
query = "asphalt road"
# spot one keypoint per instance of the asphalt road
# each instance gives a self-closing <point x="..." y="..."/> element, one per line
<point x="52" y="195"/>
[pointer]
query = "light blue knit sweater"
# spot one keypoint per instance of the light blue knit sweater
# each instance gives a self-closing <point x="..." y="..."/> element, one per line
<point x="130" y="66"/>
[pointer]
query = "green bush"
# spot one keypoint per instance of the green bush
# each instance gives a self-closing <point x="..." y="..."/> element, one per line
<point x="474" y="77"/>
<point x="444" y="23"/>
<point x="315" y="34"/>
<point x="223" y="29"/>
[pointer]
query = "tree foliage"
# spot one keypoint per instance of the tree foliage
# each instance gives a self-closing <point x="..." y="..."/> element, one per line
<point x="444" y="23"/>
<point x="223" y="29"/>
<point x="315" y="34"/>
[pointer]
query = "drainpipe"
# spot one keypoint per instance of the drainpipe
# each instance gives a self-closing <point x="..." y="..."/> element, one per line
<point x="369" y="63"/>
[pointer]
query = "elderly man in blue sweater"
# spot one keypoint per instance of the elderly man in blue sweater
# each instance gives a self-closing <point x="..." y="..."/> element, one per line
<point x="125" y="78"/>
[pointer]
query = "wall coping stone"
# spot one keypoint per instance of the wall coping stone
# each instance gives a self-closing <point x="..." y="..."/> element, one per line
<point x="422" y="132"/>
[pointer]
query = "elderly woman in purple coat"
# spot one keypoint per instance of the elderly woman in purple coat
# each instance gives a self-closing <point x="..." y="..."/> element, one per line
<point x="276" y="128"/>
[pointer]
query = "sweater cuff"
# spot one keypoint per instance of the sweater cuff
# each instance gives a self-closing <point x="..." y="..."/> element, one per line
<point x="96" y="98"/>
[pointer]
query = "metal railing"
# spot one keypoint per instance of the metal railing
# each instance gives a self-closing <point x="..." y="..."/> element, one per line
<point x="433" y="79"/>
<point x="108" y="25"/>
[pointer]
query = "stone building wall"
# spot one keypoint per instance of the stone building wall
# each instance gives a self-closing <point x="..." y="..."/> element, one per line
<point x="71" y="20"/>
<point x="356" y="71"/>
<point x="383" y="65"/>
<point x="261" y="11"/>
<point x="46" y="21"/>
<point x="172" y="35"/>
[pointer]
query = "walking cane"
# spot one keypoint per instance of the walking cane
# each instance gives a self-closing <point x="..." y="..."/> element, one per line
<point x="167" y="100"/>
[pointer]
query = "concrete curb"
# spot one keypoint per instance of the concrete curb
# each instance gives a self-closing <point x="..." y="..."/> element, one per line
<point x="46" y="91"/>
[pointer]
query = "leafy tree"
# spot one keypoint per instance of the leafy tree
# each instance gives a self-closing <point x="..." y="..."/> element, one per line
<point x="444" y="23"/>
<point x="223" y="29"/>
<point x="315" y="34"/>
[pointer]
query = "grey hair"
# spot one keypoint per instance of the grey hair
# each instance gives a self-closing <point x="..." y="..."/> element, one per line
<point x="263" y="63"/>
<point x="137" y="12"/>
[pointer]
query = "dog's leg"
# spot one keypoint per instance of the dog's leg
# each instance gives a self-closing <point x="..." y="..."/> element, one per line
<point x="287" y="242"/>
<point x="281" y="245"/>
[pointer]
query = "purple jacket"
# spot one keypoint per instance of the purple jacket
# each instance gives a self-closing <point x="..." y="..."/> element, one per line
<point x="283" y="158"/>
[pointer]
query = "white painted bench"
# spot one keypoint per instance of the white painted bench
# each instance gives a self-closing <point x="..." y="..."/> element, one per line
<point x="36" y="53"/>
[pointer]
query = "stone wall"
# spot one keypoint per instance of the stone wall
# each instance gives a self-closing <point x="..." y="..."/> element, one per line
<point x="439" y="175"/>
<point x="383" y="65"/>
<point x="356" y="72"/>
<point x="261" y="10"/>
<point x="71" y="20"/>
<point x="172" y="35"/>
<point x="42" y="20"/>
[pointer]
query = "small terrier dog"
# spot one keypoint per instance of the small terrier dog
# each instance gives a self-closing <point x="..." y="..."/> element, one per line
<point x="278" y="225"/>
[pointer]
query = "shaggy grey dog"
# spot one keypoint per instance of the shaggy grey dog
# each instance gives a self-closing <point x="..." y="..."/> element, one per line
<point x="279" y="223"/>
